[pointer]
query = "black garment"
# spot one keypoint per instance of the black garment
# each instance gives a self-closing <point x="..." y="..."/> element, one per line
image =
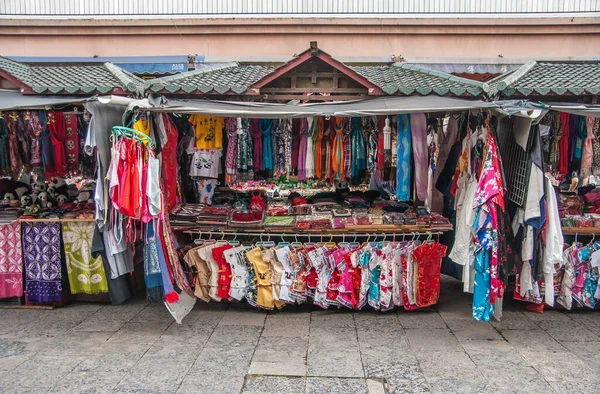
<point x="118" y="288"/>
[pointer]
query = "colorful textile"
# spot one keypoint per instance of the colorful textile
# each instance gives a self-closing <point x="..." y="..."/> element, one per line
<point x="11" y="260"/>
<point x="13" y="143"/>
<point x="86" y="274"/>
<point x="337" y="164"/>
<point x="71" y="143"/>
<point x="347" y="149"/>
<point x="266" y="125"/>
<point x="244" y="148"/>
<point x="169" y="165"/>
<point x="358" y="153"/>
<point x="42" y="260"/>
<point x="418" y="127"/>
<point x="231" y="127"/>
<point x="4" y="158"/>
<point x="403" y="152"/>
<point x="58" y="134"/>
<point x="257" y="152"/>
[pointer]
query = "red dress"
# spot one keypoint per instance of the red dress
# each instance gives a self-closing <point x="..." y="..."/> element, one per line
<point x="429" y="261"/>
<point x="225" y="274"/>
<point x="58" y="132"/>
<point x="169" y="163"/>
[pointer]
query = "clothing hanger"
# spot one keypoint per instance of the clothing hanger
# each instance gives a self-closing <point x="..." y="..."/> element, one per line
<point x="309" y="243"/>
<point x="283" y="242"/>
<point x="384" y="242"/>
<point x="199" y="241"/>
<point x="343" y="244"/>
<point x="210" y="239"/>
<point x="296" y="244"/>
<point x="269" y="243"/>
<point x="234" y="241"/>
<point x="330" y="244"/>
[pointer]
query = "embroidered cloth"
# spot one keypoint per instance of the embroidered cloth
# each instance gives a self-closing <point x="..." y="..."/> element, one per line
<point x="41" y="253"/>
<point x="11" y="260"/>
<point x="86" y="274"/>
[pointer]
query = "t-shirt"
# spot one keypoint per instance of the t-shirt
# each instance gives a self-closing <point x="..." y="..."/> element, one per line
<point x="206" y="163"/>
<point x="209" y="131"/>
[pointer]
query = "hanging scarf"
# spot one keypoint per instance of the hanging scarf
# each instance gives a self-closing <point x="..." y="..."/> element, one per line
<point x="347" y="148"/>
<point x="152" y="272"/>
<point x="24" y="139"/>
<point x="42" y="261"/>
<point x="13" y="144"/>
<point x="403" y="156"/>
<point x="302" y="150"/>
<point x="34" y="129"/>
<point x="244" y="149"/>
<point x="318" y="142"/>
<point x="58" y="134"/>
<point x="11" y="260"/>
<point x="265" y="128"/>
<point x="86" y="274"/>
<point x="280" y="140"/>
<point x="257" y="153"/>
<point x="71" y="143"/>
<point x="359" y="158"/>
<point x="310" y="152"/>
<point x="295" y="144"/>
<point x="328" y="135"/>
<point x="380" y="150"/>
<point x="4" y="157"/>
<point x="370" y="132"/>
<point x="231" y="155"/>
<point x="418" y="125"/>
<point x="287" y="145"/>
<point x="596" y="147"/>
<point x="337" y="164"/>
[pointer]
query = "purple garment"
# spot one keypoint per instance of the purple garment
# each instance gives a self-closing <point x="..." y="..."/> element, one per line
<point x="42" y="259"/>
<point x="302" y="154"/>
<point x="418" y="124"/>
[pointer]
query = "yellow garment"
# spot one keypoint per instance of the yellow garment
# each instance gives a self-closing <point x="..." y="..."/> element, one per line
<point x="143" y="126"/>
<point x="264" y="296"/>
<point x="276" y="268"/>
<point x="209" y="131"/>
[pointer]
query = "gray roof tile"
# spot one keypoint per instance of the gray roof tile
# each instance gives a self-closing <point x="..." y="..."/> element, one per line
<point x="222" y="79"/>
<point x="408" y="79"/>
<point x="72" y="79"/>
<point x="545" y="78"/>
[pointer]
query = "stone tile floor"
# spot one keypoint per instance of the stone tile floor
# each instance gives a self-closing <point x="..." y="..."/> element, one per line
<point x="137" y="348"/>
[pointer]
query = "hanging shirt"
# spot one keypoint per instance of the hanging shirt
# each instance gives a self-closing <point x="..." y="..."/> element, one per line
<point x="209" y="131"/>
<point x="205" y="163"/>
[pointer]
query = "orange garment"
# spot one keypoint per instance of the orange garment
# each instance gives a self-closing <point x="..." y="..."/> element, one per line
<point x="337" y="152"/>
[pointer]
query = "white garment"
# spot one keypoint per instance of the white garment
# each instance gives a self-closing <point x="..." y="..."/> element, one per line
<point x="283" y="255"/>
<point x="535" y="192"/>
<point x="206" y="255"/>
<point x="552" y="255"/>
<point x="239" y="273"/>
<point x="153" y="191"/>
<point x="206" y="163"/>
<point x="595" y="263"/>
<point x="310" y="154"/>
<point x="464" y="224"/>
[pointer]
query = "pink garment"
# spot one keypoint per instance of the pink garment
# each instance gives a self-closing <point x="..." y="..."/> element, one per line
<point x="11" y="261"/>
<point x="418" y="125"/>
<point x="588" y="152"/>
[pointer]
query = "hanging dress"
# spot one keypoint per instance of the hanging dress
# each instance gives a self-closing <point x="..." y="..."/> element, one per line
<point x="359" y="163"/>
<point x="266" y="126"/>
<point x="318" y="142"/>
<point x="310" y="157"/>
<point x="257" y="145"/>
<point x="302" y="150"/>
<point x="337" y="164"/>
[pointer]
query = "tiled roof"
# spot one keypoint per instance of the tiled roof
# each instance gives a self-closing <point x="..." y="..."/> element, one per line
<point x="407" y="79"/>
<point x="222" y="79"/>
<point x="93" y="79"/>
<point x="547" y="78"/>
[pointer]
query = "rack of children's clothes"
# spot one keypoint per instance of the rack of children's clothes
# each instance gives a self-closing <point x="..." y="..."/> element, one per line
<point x="268" y="275"/>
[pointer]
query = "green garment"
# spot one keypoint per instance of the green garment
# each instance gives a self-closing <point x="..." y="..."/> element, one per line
<point x="86" y="274"/>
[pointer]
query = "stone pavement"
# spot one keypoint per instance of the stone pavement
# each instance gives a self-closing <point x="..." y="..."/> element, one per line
<point x="137" y="348"/>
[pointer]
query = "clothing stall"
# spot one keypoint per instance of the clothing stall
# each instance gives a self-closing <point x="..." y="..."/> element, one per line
<point x="51" y="252"/>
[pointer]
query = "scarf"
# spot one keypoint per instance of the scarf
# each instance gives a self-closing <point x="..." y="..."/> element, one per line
<point x="231" y="155"/>
<point x="302" y="150"/>
<point x="403" y="150"/>
<point x="359" y="162"/>
<point x="337" y="164"/>
<point x="4" y="160"/>
<point x="267" y="159"/>
<point x="86" y="274"/>
<point x="257" y="153"/>
<point x="11" y="260"/>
